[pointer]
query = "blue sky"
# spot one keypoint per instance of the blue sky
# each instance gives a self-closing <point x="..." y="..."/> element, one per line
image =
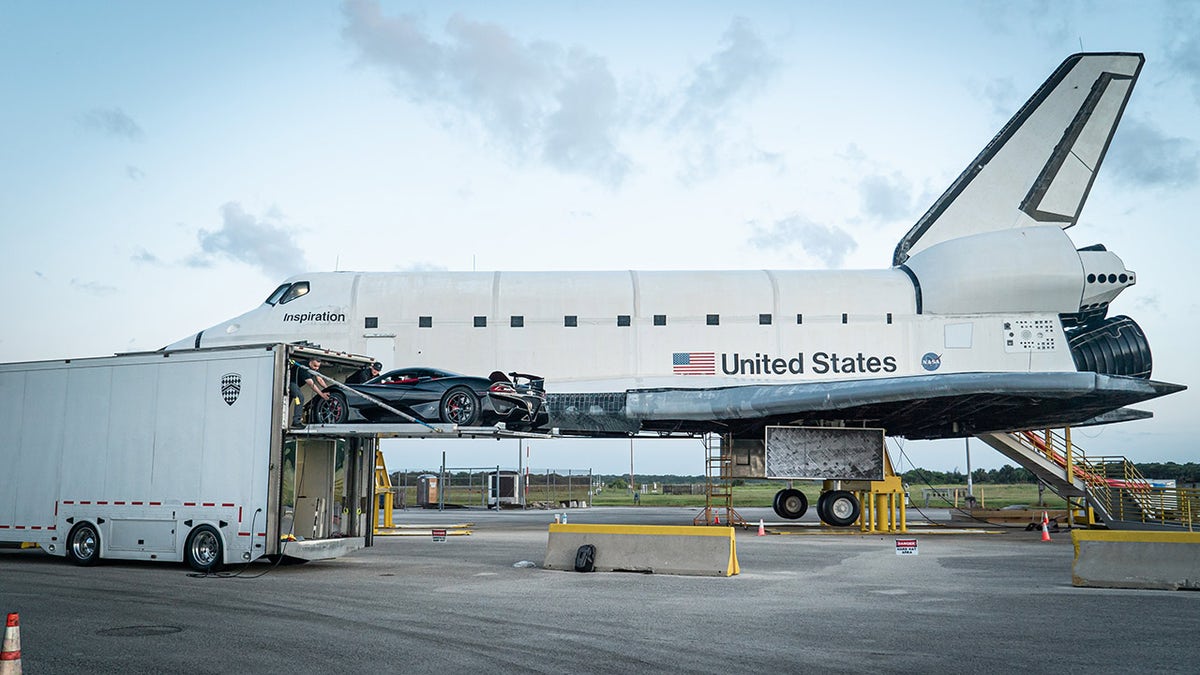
<point x="164" y="165"/>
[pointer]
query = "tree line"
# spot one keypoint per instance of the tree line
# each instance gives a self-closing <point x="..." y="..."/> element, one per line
<point x="1183" y="474"/>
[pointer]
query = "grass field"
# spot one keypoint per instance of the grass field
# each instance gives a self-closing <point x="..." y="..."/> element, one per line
<point x="755" y="494"/>
<point x="763" y="493"/>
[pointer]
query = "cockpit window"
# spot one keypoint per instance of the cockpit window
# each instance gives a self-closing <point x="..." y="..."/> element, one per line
<point x="277" y="294"/>
<point x="298" y="289"/>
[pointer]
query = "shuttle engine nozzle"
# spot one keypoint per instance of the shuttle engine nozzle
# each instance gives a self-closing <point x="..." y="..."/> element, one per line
<point x="1116" y="346"/>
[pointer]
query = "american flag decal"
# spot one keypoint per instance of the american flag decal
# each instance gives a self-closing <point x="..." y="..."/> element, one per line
<point x="694" y="363"/>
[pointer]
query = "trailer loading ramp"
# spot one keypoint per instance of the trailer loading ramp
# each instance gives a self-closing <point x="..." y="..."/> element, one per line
<point x="440" y="430"/>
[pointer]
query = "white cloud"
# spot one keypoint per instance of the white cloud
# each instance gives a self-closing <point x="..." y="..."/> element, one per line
<point x="93" y="287"/>
<point x="422" y="266"/>
<point x="145" y="257"/>
<point x="261" y="242"/>
<point x="113" y="122"/>
<point x="828" y="243"/>
<point x="1183" y="44"/>
<point x="581" y="133"/>
<point x="1144" y="156"/>
<point x="886" y="198"/>
<point x="731" y="78"/>
<point x="733" y="75"/>
<point x="538" y="100"/>
<point x="1001" y="95"/>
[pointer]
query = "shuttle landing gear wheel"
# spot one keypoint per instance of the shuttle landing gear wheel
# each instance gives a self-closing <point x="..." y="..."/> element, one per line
<point x="83" y="544"/>
<point x="790" y="504"/>
<point x="459" y="406"/>
<point x="203" y="551"/>
<point x="838" y="508"/>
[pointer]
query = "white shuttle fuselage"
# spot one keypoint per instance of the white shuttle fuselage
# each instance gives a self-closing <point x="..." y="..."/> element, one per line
<point x="612" y="331"/>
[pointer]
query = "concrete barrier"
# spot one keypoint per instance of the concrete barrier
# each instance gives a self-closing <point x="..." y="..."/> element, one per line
<point x="1136" y="559"/>
<point x="696" y="551"/>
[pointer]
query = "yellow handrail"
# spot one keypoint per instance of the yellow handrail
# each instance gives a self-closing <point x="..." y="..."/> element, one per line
<point x="1116" y="482"/>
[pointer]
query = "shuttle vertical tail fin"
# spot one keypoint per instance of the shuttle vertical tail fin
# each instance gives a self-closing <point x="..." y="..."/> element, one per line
<point x="1039" y="168"/>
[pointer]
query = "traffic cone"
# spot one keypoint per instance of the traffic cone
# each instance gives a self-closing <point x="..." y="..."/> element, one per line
<point x="716" y="517"/>
<point x="762" y="532"/>
<point x="1045" y="527"/>
<point x="10" y="654"/>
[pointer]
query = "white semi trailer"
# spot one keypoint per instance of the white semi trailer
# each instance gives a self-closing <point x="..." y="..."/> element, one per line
<point x="178" y="456"/>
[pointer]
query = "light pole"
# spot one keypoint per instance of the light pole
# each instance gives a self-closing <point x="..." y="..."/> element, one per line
<point x="632" y="489"/>
<point x="970" y="484"/>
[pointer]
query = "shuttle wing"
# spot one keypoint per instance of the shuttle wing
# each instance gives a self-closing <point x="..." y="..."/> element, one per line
<point x="1039" y="168"/>
<point x="915" y="407"/>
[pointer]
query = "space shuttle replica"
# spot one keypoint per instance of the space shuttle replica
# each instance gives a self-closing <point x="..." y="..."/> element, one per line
<point x="989" y="318"/>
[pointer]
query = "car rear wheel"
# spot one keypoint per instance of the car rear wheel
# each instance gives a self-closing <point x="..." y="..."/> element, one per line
<point x="459" y="406"/>
<point x="332" y="410"/>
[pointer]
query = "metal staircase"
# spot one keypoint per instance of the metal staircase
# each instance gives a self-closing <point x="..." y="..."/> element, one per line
<point x="1117" y="495"/>
<point x="718" y="484"/>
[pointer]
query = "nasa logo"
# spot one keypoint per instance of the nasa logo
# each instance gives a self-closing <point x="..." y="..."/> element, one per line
<point x="931" y="361"/>
<point x="231" y="386"/>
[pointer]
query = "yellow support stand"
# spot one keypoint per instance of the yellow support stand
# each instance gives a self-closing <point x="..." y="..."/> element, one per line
<point x="882" y="502"/>
<point x="383" y="488"/>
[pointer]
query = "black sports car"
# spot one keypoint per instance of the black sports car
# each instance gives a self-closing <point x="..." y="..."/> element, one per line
<point x="434" y="395"/>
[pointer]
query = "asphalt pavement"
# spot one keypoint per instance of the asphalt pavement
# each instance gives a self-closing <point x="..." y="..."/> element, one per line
<point x="994" y="600"/>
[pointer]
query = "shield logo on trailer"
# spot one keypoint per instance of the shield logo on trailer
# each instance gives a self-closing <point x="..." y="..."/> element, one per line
<point x="231" y="386"/>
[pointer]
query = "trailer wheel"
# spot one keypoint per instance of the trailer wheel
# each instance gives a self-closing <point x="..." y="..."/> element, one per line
<point x="790" y="504"/>
<point x="331" y="410"/>
<point x="203" y="551"/>
<point x="83" y="544"/>
<point x="840" y="508"/>
<point x="459" y="406"/>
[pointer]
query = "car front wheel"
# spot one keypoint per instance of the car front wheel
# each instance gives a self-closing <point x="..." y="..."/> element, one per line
<point x="459" y="406"/>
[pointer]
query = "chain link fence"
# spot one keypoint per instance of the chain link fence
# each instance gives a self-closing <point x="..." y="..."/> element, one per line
<point x="468" y="487"/>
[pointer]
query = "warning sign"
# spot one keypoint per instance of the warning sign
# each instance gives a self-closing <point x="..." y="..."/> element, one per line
<point x="439" y="535"/>
<point x="906" y="547"/>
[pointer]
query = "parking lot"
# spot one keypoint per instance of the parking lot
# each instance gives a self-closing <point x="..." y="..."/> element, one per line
<point x="965" y="603"/>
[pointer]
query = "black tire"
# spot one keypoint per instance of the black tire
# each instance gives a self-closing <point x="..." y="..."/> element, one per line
<point x="332" y="410"/>
<point x="204" y="551"/>
<point x="83" y="544"/>
<point x="821" y="506"/>
<point x="585" y="558"/>
<point x="459" y="406"/>
<point x="790" y="504"/>
<point x="841" y="508"/>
